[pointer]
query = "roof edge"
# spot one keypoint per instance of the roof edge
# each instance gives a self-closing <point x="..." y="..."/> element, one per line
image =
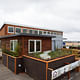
<point x="28" y="26"/>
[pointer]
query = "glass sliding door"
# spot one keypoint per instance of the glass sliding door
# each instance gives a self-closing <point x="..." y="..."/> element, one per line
<point x="31" y="46"/>
<point x="13" y="44"/>
<point x="38" y="46"/>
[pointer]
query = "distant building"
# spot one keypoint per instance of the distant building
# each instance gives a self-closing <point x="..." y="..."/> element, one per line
<point x="72" y="43"/>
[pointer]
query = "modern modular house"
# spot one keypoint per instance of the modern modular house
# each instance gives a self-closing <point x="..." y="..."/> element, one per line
<point x="34" y="40"/>
<point x="31" y="39"/>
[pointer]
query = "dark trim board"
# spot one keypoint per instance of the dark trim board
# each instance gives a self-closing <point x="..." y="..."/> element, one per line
<point x="26" y="34"/>
<point x="13" y="63"/>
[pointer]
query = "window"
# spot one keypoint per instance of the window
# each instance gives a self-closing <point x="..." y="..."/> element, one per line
<point x="13" y="44"/>
<point x="24" y="30"/>
<point x="31" y="46"/>
<point x="34" y="46"/>
<point x="55" y="33"/>
<point x="45" y="32"/>
<point x="38" y="46"/>
<point x="49" y="32"/>
<point x="0" y="43"/>
<point x="30" y="31"/>
<point x="35" y="32"/>
<point x="40" y="32"/>
<point x="18" y="30"/>
<point x="10" y="29"/>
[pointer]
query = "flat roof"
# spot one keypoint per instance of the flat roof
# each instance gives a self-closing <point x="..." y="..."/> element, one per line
<point x="26" y="34"/>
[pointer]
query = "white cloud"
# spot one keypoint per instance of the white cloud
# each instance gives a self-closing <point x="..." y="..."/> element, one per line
<point x="53" y="14"/>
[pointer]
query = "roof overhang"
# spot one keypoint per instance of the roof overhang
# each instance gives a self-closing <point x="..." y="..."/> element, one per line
<point x="27" y="34"/>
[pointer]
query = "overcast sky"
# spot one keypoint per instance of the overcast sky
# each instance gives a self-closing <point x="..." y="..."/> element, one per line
<point x="61" y="15"/>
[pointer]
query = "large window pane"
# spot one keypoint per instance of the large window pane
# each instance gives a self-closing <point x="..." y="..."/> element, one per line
<point x="35" y="32"/>
<point x="18" y="30"/>
<point x="24" y="30"/>
<point x="11" y="43"/>
<point x="34" y="46"/>
<point x="40" y="32"/>
<point x="37" y="45"/>
<point x="0" y="43"/>
<point x="48" y="32"/>
<point x="15" y="44"/>
<point x="45" y="32"/>
<point x="31" y="46"/>
<point x="10" y="29"/>
<point x="30" y="31"/>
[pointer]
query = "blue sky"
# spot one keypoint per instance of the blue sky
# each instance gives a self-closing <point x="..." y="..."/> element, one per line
<point x="61" y="15"/>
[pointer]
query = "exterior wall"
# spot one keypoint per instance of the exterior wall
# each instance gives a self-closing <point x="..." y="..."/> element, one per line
<point x="23" y="41"/>
<point x="46" y="43"/>
<point x="3" y="31"/>
<point x="58" y="40"/>
<point x="5" y="43"/>
<point x="6" y="25"/>
<point x="57" y="43"/>
<point x="35" y="69"/>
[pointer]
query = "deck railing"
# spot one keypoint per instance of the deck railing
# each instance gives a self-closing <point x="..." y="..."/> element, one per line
<point x="76" y="52"/>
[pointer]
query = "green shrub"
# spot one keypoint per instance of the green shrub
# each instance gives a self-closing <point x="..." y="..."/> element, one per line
<point x="17" y="50"/>
<point x="37" y="54"/>
<point x="59" y="53"/>
<point x="12" y="53"/>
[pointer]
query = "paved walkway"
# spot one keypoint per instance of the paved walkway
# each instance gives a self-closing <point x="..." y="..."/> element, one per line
<point x="6" y="74"/>
<point x="77" y="76"/>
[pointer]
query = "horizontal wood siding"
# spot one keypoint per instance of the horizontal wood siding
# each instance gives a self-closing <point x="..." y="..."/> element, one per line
<point x="46" y="43"/>
<point x="3" y="31"/>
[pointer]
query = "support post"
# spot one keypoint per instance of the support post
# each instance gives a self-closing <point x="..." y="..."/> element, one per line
<point x="15" y="65"/>
<point x="22" y="45"/>
<point x="7" y="61"/>
<point x="46" y="70"/>
<point x="68" y="72"/>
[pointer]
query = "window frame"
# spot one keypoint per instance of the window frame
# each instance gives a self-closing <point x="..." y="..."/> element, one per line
<point x="39" y="32"/>
<point x="13" y="44"/>
<point x="0" y="44"/>
<point x="32" y="31"/>
<point x="34" y="46"/>
<point x="24" y="28"/>
<point x="8" y="29"/>
<point x="48" y="33"/>
<point x="45" y="32"/>
<point x="15" y="30"/>
<point x="55" y="33"/>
